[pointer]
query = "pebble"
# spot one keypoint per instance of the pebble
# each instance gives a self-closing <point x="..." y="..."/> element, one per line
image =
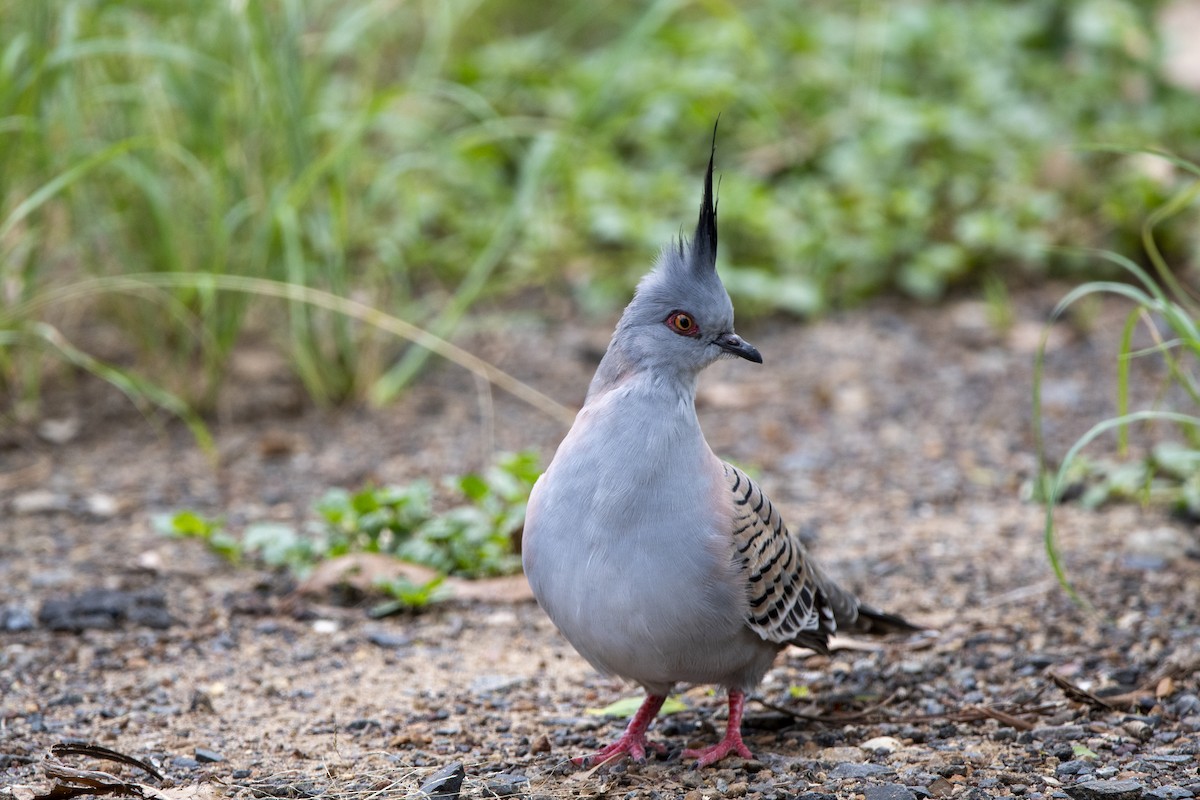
<point x="888" y="791"/>
<point x="505" y="784"/>
<point x="1060" y="733"/>
<point x="485" y="684"/>
<point x="1107" y="790"/>
<point x="38" y="501"/>
<point x="1169" y="793"/>
<point x="389" y="640"/>
<point x="15" y="618"/>
<point x="446" y="783"/>
<point x="849" y="770"/>
<point x="887" y="744"/>
<point x="206" y="756"/>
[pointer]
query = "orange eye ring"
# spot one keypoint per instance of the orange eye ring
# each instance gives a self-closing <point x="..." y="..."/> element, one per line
<point x="682" y="323"/>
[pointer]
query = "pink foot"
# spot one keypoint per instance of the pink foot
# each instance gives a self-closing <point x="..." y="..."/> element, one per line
<point x="633" y="741"/>
<point x="732" y="743"/>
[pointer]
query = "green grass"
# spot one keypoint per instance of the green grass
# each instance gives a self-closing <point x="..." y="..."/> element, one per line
<point x="421" y="158"/>
<point x="1170" y="473"/>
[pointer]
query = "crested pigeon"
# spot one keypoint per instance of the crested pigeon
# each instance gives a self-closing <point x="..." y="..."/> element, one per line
<point x="659" y="562"/>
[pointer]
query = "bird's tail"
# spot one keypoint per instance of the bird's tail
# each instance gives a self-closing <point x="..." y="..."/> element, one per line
<point x="879" y="623"/>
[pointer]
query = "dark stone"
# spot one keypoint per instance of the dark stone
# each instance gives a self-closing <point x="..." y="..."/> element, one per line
<point x="105" y="609"/>
<point x="1169" y="793"/>
<point x="446" y="783"/>
<point x="888" y="791"/>
<point x="1060" y="733"/>
<point x="1185" y="704"/>
<point x="1062" y="751"/>
<point x="851" y="770"/>
<point x="206" y="756"/>
<point x="240" y="774"/>
<point x="506" y="785"/>
<point x="1107" y="790"/>
<point x="389" y="639"/>
<point x="816" y="796"/>
<point x="14" y="619"/>
<point x="1074" y="767"/>
<point x="184" y="762"/>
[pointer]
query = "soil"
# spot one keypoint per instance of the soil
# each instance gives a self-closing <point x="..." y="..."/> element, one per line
<point x="897" y="440"/>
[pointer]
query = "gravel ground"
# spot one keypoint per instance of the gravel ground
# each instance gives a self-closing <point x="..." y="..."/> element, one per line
<point x="897" y="440"/>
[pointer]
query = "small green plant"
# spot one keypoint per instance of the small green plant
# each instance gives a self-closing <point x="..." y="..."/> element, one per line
<point x="408" y="594"/>
<point x="472" y="539"/>
<point x="211" y="531"/>
<point x="1172" y="470"/>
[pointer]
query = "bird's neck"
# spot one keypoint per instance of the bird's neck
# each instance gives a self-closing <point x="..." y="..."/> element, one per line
<point x="618" y="370"/>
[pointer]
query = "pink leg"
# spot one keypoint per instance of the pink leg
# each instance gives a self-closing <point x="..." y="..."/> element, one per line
<point x="633" y="740"/>
<point x="732" y="743"/>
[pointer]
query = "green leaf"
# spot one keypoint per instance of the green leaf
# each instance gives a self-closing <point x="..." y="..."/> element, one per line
<point x="628" y="706"/>
<point x="474" y="487"/>
<point x="1082" y="751"/>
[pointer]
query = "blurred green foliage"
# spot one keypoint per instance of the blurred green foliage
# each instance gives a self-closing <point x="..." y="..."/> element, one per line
<point x="421" y="156"/>
<point x="473" y="539"/>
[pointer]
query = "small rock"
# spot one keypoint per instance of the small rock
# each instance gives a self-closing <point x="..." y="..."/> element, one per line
<point x="1171" y="759"/>
<point x="1074" y="767"/>
<point x="506" y="785"/>
<point x="1169" y="793"/>
<point x="485" y="684"/>
<point x="105" y="609"/>
<point x="1107" y="790"/>
<point x="940" y="787"/>
<point x="1185" y="704"/>
<point x="390" y="640"/>
<point x="205" y="756"/>
<point x="59" y="431"/>
<point x="858" y="771"/>
<point x="38" y="501"/>
<point x="446" y="783"/>
<point x="839" y="754"/>
<point x="887" y="744"/>
<point x="325" y="626"/>
<point x="101" y="505"/>
<point x="1059" y="733"/>
<point x="540" y="745"/>
<point x="14" y="619"/>
<point x="1138" y="730"/>
<point x="888" y="791"/>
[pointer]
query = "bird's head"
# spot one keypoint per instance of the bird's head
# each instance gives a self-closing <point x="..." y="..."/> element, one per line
<point x="681" y="318"/>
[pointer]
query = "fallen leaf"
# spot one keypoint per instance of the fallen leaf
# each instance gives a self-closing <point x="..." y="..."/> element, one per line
<point x="628" y="706"/>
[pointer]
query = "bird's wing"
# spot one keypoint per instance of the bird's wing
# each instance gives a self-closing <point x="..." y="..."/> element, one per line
<point x="791" y="600"/>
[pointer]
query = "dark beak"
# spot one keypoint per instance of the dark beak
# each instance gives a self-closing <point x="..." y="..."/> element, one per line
<point x="732" y="343"/>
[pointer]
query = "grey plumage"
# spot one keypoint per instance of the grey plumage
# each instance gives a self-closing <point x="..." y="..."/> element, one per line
<point x="655" y="559"/>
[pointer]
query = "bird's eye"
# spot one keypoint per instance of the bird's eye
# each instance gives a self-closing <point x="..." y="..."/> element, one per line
<point x="682" y="323"/>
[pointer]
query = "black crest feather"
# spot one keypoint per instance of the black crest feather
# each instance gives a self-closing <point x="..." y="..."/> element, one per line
<point x="704" y="243"/>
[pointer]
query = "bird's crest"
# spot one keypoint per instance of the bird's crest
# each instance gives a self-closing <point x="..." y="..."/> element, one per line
<point x="704" y="243"/>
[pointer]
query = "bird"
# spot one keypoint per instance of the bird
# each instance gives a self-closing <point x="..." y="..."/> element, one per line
<point x="659" y="562"/>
